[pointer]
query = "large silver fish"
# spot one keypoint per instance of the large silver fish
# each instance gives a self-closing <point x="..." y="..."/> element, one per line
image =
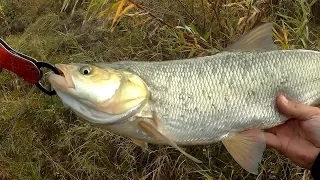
<point x="228" y="97"/>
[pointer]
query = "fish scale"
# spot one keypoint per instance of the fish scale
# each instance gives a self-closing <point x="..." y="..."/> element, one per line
<point x="201" y="100"/>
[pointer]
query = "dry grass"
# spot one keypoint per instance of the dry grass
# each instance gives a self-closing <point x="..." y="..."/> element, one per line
<point x="41" y="139"/>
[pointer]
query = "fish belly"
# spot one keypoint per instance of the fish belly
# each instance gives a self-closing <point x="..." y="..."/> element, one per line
<point x="203" y="100"/>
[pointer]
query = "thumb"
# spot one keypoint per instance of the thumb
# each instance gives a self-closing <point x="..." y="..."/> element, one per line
<point x="295" y="110"/>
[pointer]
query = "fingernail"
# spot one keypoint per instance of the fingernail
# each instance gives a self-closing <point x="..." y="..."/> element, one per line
<point x="284" y="99"/>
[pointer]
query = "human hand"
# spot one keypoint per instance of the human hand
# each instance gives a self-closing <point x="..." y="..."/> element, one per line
<point x="299" y="137"/>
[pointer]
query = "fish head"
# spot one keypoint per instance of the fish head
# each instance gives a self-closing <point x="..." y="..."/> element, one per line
<point x="99" y="95"/>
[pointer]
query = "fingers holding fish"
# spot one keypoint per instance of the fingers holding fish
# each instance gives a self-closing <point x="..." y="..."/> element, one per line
<point x="304" y="121"/>
<point x="271" y="139"/>
<point x="295" y="110"/>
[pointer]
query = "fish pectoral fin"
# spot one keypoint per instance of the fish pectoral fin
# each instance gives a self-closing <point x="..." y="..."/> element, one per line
<point x="149" y="128"/>
<point x="142" y="144"/>
<point x="246" y="148"/>
<point x="258" y="39"/>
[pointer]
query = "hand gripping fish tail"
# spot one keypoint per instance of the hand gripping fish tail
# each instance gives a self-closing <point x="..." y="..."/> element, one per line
<point x="24" y="66"/>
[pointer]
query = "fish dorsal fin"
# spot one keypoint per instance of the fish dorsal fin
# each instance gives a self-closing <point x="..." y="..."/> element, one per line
<point x="150" y="129"/>
<point x="258" y="39"/>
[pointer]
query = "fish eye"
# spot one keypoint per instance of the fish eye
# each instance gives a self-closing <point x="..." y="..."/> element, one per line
<point x="86" y="70"/>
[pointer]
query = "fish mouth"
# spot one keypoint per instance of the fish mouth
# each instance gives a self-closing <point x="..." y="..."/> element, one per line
<point x="62" y="80"/>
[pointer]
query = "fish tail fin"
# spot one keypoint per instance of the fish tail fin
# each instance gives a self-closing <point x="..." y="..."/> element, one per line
<point x="246" y="148"/>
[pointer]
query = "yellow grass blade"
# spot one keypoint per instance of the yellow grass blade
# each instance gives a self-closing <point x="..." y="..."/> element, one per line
<point x="125" y="10"/>
<point x="142" y="22"/>
<point x="131" y="6"/>
<point x="107" y="11"/>
<point x="285" y="34"/>
<point x="120" y="7"/>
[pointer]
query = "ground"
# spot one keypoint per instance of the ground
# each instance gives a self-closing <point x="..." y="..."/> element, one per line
<point x="42" y="139"/>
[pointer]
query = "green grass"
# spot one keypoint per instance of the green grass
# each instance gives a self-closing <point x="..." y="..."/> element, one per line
<point x="41" y="139"/>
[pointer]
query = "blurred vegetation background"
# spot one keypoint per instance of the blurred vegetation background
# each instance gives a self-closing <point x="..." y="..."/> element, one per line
<point x="41" y="139"/>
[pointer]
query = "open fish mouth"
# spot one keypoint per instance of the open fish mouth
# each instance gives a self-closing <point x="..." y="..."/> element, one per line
<point x="62" y="81"/>
<point x="60" y="72"/>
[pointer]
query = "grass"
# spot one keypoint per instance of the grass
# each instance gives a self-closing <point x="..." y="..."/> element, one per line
<point x="41" y="139"/>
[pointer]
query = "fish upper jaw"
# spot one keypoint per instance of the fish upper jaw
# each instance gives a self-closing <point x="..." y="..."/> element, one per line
<point x="62" y="82"/>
